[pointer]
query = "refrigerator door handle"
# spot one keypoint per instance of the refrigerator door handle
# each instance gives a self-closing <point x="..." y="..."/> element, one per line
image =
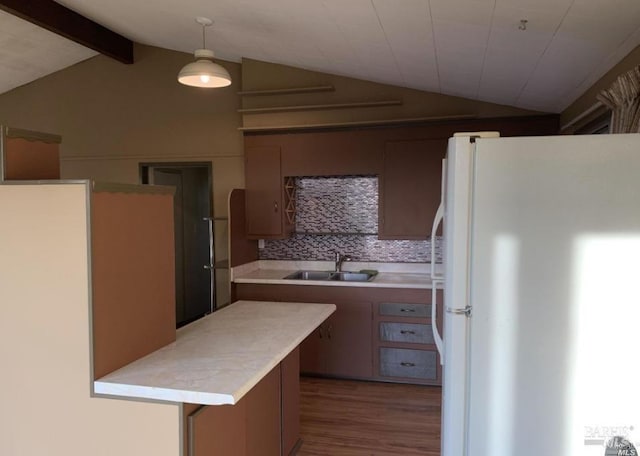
<point x="437" y="220"/>
<point x="434" y="321"/>
<point x="464" y="311"/>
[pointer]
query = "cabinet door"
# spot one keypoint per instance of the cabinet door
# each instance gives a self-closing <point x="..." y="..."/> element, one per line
<point x="263" y="192"/>
<point x="218" y="430"/>
<point x="348" y="333"/>
<point x="410" y="188"/>
<point x="314" y="352"/>
<point x="263" y="416"/>
<point x="290" y="387"/>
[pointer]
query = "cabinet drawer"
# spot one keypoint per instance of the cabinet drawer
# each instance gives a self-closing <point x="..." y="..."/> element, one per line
<point x="396" y="362"/>
<point x="398" y="309"/>
<point x="406" y="332"/>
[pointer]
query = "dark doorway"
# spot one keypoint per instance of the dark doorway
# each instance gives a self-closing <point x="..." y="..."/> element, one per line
<point x="195" y="282"/>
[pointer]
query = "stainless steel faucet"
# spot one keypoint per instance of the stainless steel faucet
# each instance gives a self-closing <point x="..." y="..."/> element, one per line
<point x="341" y="259"/>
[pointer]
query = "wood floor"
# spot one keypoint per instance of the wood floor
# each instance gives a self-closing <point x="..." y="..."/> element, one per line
<point x="349" y="418"/>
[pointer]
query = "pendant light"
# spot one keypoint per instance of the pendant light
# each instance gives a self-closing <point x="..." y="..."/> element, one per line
<point x="204" y="72"/>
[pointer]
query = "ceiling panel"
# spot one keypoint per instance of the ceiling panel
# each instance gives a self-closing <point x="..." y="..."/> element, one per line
<point x="589" y="33"/>
<point x="471" y="48"/>
<point x="410" y="36"/>
<point x="28" y="52"/>
<point x="517" y="50"/>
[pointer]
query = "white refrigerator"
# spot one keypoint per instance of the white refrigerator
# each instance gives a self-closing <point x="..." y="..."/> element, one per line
<point x="541" y="340"/>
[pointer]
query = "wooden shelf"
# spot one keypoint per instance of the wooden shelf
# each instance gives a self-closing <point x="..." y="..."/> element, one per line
<point x="359" y="123"/>
<point x="363" y="104"/>
<point x="286" y="91"/>
<point x="290" y="199"/>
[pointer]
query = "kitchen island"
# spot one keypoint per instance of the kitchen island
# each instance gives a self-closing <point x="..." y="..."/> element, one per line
<point x="235" y="375"/>
<point x="219" y="358"/>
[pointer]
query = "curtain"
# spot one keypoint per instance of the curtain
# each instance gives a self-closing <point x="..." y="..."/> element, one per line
<point x="623" y="98"/>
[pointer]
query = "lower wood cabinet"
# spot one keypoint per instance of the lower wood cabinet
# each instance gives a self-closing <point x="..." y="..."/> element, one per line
<point x="406" y="363"/>
<point x="217" y="430"/>
<point x="382" y="334"/>
<point x="290" y="416"/>
<point x="405" y="346"/>
<point x="341" y="346"/>
<point x="265" y="422"/>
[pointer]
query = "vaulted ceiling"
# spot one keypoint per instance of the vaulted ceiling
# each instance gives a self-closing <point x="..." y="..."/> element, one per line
<point x="469" y="48"/>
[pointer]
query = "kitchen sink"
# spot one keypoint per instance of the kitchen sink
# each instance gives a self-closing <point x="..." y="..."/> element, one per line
<point x="351" y="276"/>
<point x="327" y="275"/>
<point x="310" y="275"/>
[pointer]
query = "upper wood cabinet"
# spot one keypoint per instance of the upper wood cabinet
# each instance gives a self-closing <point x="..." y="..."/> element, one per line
<point x="407" y="160"/>
<point x="410" y="188"/>
<point x="265" y="205"/>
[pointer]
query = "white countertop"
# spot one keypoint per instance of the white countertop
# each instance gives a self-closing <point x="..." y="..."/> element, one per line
<point x="390" y="275"/>
<point x="219" y="358"/>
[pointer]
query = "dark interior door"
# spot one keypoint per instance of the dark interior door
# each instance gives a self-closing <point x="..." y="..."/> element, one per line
<point x="192" y="206"/>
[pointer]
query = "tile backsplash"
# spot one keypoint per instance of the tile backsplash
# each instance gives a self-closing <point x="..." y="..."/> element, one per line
<point x="341" y="214"/>
<point x="337" y="204"/>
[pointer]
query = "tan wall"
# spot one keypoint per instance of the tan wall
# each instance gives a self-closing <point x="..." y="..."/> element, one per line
<point x="112" y="117"/>
<point x="586" y="100"/>
<point x="44" y="339"/>
<point x="257" y="75"/>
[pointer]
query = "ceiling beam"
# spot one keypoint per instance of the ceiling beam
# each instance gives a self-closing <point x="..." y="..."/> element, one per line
<point x="69" y="24"/>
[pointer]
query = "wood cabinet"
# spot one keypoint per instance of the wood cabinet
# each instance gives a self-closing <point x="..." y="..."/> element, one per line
<point x="410" y="188"/>
<point x="265" y="422"/>
<point x="341" y="346"/>
<point x="265" y="194"/>
<point x="263" y="417"/>
<point x="217" y="430"/>
<point x="249" y="428"/>
<point x="324" y="153"/>
<point x="379" y="334"/>
<point x="404" y="347"/>
<point x="406" y="159"/>
<point x="290" y="393"/>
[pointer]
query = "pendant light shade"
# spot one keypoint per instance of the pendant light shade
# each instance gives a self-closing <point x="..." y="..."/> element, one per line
<point x="204" y="72"/>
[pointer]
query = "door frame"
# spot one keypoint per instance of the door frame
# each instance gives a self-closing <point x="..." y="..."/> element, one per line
<point x="144" y="169"/>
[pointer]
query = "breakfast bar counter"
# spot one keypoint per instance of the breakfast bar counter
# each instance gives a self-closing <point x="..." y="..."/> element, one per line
<point x="219" y="358"/>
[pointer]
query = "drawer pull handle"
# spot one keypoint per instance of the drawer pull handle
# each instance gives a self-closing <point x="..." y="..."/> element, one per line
<point x="407" y="310"/>
<point x="407" y="331"/>
<point x="406" y="364"/>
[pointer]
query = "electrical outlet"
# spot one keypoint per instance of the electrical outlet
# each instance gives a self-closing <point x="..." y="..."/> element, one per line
<point x="261" y="243"/>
